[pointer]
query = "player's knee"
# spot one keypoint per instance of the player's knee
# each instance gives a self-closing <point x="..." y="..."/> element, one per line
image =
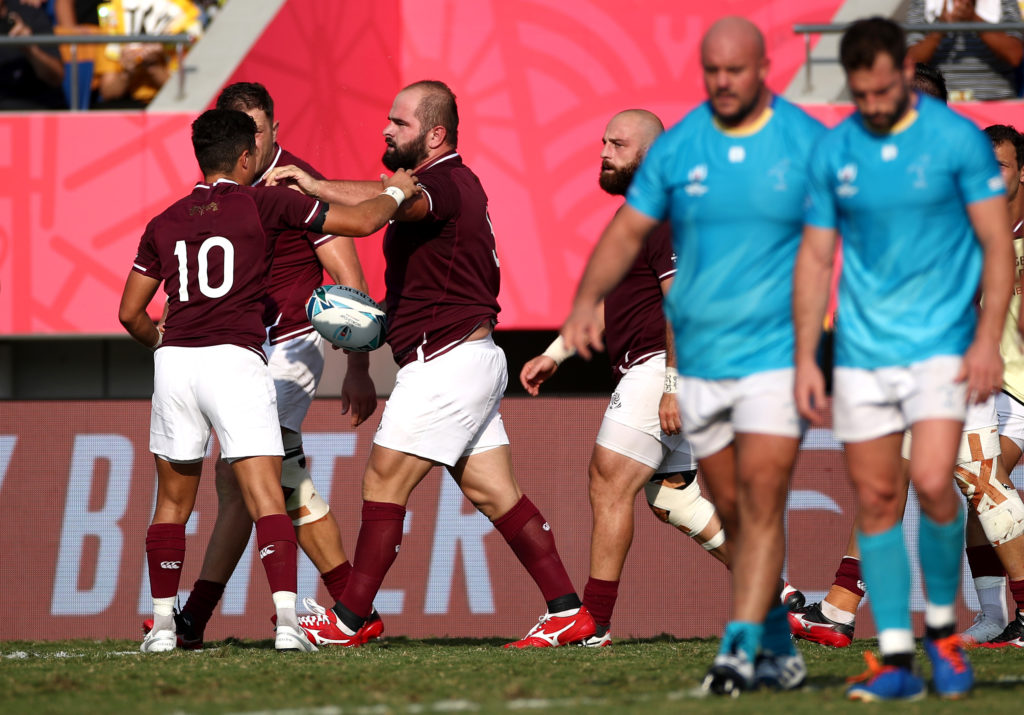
<point x="1004" y="521"/>
<point x="303" y="503"/>
<point x="683" y="507"/>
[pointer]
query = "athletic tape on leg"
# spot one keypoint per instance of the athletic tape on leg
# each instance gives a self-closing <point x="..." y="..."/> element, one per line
<point x="304" y="505"/>
<point x="683" y="508"/>
<point x="999" y="506"/>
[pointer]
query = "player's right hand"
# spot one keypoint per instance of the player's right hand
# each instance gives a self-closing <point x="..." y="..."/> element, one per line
<point x="583" y="330"/>
<point x="809" y="392"/>
<point x="294" y="177"/>
<point x="404" y="180"/>
<point x="536" y="372"/>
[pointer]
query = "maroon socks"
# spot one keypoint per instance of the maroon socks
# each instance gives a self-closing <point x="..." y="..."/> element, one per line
<point x="599" y="598"/>
<point x="165" y="553"/>
<point x="531" y="540"/>
<point x="275" y="538"/>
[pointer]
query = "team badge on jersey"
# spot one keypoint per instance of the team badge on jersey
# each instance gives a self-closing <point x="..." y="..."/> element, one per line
<point x="846" y="175"/>
<point x="697" y="176"/>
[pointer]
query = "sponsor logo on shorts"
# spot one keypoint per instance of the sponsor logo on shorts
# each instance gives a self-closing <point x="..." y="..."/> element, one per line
<point x="616" y="401"/>
<point x="546" y="526"/>
<point x="397" y="547"/>
<point x="172" y="565"/>
<point x="266" y="551"/>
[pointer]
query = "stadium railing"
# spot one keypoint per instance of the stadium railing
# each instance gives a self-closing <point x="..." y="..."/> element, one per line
<point x="73" y="41"/>
<point x="830" y="29"/>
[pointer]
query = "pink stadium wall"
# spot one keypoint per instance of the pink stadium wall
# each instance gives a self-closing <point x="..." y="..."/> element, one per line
<point x="536" y="81"/>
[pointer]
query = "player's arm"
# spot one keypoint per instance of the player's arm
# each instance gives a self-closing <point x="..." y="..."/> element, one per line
<point x="370" y="216"/>
<point x="811" y="281"/>
<point x="138" y="292"/>
<point x="615" y="252"/>
<point x="358" y="393"/>
<point x="668" y="408"/>
<point x="982" y="365"/>
<point x="540" y="369"/>
<point x="345" y="192"/>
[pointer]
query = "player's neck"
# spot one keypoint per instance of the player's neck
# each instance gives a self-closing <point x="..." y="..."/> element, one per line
<point x="752" y="122"/>
<point x="211" y="179"/>
<point x="434" y="156"/>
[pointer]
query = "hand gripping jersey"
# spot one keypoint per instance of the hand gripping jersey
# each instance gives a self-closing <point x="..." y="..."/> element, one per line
<point x="442" y="274"/>
<point x="911" y="261"/>
<point x="735" y="202"/>
<point x="212" y="250"/>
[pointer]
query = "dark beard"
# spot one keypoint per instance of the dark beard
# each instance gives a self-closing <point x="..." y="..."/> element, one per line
<point x="737" y="117"/>
<point x="889" y="120"/>
<point x="617" y="182"/>
<point x="406" y="157"/>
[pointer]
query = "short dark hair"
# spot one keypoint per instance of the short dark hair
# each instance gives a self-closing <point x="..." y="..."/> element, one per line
<point x="219" y="136"/>
<point x="929" y="80"/>
<point x="437" y="108"/>
<point x="245" y="96"/>
<point x="999" y="133"/>
<point x="865" y="39"/>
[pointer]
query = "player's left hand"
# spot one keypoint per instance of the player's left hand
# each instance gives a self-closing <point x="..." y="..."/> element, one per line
<point x="982" y="370"/>
<point x="293" y="177"/>
<point x="358" y="393"/>
<point x="668" y="413"/>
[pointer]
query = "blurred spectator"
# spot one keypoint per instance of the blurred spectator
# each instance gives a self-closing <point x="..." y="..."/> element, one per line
<point x="30" y="75"/>
<point x="977" y="66"/>
<point x="130" y="75"/>
<point x="76" y="13"/>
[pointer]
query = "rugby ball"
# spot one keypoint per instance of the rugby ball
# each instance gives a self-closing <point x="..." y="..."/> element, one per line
<point x="347" y="318"/>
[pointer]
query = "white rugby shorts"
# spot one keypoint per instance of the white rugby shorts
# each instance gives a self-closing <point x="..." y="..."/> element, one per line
<point x="296" y="366"/>
<point x="981" y="418"/>
<point x="868" y="404"/>
<point x="447" y="408"/>
<point x="223" y="386"/>
<point x="1011" y="419"/>
<point x="714" y="411"/>
<point x="631" y="426"/>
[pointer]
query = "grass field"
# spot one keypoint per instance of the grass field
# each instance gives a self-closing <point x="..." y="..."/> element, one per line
<point x="452" y="675"/>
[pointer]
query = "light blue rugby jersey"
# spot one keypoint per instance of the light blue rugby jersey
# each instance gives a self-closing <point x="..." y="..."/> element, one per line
<point x="911" y="261"/>
<point x="736" y="203"/>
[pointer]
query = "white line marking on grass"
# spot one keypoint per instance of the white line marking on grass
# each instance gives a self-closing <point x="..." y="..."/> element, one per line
<point x="21" y="655"/>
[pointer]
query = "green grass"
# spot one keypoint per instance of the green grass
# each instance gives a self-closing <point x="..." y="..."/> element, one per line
<point x="400" y="675"/>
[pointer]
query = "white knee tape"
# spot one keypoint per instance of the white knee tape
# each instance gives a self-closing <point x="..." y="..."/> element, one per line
<point x="715" y="541"/>
<point x="304" y="505"/>
<point x="683" y="508"/>
<point x="978" y="444"/>
<point x="1003" y="522"/>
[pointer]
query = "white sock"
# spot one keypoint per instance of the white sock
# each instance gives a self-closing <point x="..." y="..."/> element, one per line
<point x="939" y="616"/>
<point x="284" y="602"/>
<point x="163" y="614"/>
<point x="991" y="592"/>
<point x="896" y="640"/>
<point x="834" y="613"/>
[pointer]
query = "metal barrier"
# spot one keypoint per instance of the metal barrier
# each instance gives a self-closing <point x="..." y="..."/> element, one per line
<point x="808" y="30"/>
<point x="179" y="42"/>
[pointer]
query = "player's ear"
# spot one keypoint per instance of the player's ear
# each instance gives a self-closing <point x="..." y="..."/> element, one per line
<point x="436" y="137"/>
<point x="273" y="130"/>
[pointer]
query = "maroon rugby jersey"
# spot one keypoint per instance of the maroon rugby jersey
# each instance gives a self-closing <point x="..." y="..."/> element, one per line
<point x="442" y="274"/>
<point x="295" y="271"/>
<point x="634" y="323"/>
<point x="212" y="253"/>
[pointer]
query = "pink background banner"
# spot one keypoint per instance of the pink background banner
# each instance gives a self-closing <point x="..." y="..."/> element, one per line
<point x="77" y="489"/>
<point x="536" y="80"/>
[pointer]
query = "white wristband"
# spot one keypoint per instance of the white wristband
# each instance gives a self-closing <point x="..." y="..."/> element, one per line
<point x="671" y="380"/>
<point x="394" y="192"/>
<point x="558" y="352"/>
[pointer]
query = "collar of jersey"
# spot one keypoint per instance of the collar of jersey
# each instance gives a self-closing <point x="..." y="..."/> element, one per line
<point x="204" y="185"/>
<point x="750" y="129"/>
<point x="277" y="158"/>
<point x="902" y="125"/>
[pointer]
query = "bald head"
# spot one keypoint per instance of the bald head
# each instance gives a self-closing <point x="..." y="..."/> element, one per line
<point x="626" y="140"/>
<point x="735" y="69"/>
<point x="736" y="32"/>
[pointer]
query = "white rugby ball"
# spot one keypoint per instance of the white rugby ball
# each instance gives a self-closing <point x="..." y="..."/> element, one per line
<point x="347" y="318"/>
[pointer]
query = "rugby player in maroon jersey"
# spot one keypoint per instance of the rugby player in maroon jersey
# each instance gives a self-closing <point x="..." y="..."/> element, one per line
<point x="442" y="283"/>
<point x="212" y="252"/>
<point x="639" y="445"/>
<point x="295" y="357"/>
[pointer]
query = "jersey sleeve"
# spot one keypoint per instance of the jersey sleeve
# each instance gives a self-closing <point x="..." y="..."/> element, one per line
<point x="147" y="260"/>
<point x="979" y="176"/>
<point x="659" y="254"/>
<point x="648" y="191"/>
<point x="821" y="206"/>
<point x="282" y="208"/>
<point x="442" y="195"/>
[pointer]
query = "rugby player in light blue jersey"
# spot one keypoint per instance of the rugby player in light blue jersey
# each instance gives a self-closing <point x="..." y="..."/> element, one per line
<point x="731" y="180"/>
<point x="916" y="193"/>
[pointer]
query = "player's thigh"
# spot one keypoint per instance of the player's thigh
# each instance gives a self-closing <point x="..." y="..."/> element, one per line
<point x="259" y="480"/>
<point x="764" y="462"/>
<point x="487" y="480"/>
<point x="447" y="408"/>
<point x="1011" y="429"/>
<point x="177" y="486"/>
<point x="617" y="476"/>
<point x="876" y="467"/>
<point x="236" y="393"/>
<point x="933" y="451"/>
<point x="179" y="431"/>
<point x="296" y="366"/>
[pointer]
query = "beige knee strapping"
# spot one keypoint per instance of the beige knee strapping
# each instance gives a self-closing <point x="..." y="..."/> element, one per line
<point x="304" y="505"/>
<point x="998" y="506"/>
<point x="683" y="508"/>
